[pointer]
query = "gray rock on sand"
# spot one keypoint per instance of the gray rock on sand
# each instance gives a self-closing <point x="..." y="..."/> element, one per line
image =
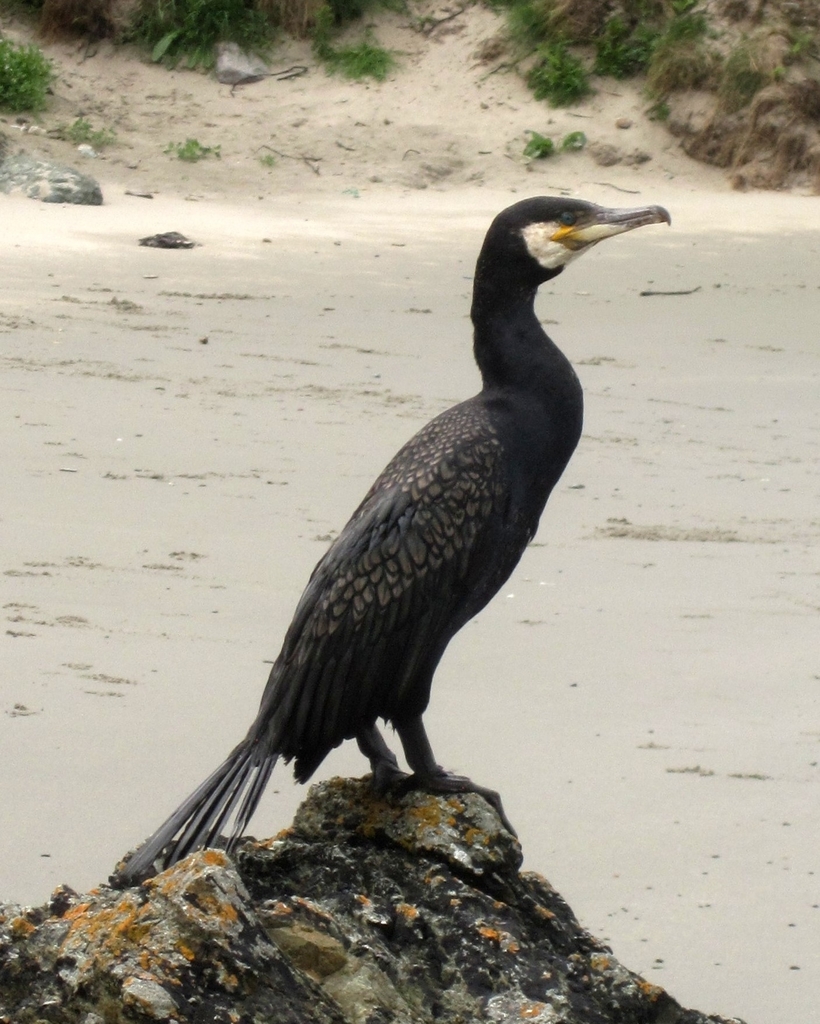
<point x="235" y="67"/>
<point x="45" y="180"/>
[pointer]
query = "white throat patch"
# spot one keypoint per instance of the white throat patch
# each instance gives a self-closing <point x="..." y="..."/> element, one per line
<point x="544" y="250"/>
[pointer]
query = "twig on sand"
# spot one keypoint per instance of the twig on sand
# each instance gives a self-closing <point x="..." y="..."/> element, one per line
<point x="631" y="191"/>
<point x="686" y="291"/>
<point x="311" y="161"/>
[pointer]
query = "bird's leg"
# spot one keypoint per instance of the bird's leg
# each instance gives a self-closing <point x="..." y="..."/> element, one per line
<point x="383" y="763"/>
<point x="431" y="776"/>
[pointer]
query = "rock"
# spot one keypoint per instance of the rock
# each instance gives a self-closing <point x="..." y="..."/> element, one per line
<point x="47" y="181"/>
<point x="368" y="910"/>
<point x="235" y="67"/>
<point x="168" y="240"/>
<point x="605" y="154"/>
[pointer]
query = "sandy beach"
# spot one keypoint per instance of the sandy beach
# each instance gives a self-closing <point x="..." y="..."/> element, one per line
<point x="186" y="430"/>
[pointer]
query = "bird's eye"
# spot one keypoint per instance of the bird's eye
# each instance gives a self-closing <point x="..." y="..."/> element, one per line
<point x="568" y="219"/>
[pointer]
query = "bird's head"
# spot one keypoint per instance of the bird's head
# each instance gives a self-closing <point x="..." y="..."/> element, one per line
<point x="566" y="228"/>
<point x="534" y="239"/>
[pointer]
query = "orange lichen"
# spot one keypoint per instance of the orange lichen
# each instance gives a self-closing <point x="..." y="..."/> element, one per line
<point x="652" y="992"/>
<point x="474" y="835"/>
<point x="280" y="909"/>
<point x="599" y="962"/>
<point x="77" y="911"/>
<point x="21" y="928"/>
<point x="427" y="814"/>
<point x="407" y="911"/>
<point x="214" y="857"/>
<point x="530" y="1010"/>
<point x="493" y="934"/>
<point x="186" y="951"/>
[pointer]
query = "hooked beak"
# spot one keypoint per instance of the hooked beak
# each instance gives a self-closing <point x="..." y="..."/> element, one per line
<point x="602" y="223"/>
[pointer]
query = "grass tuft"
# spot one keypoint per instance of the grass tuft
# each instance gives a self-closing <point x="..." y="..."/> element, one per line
<point x="558" y="76"/>
<point x="188" y="30"/>
<point x="358" y="61"/>
<point x="681" y="58"/>
<point x="623" y="49"/>
<point x="83" y="131"/>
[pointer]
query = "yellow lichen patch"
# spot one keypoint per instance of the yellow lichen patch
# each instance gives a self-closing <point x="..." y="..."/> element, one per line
<point x="75" y="912"/>
<point x="530" y="1010"/>
<point x="214" y="857"/>
<point x="279" y="909"/>
<point x="476" y="835"/>
<point x="546" y="915"/>
<point x="599" y="962"/>
<point x="112" y="927"/>
<point x="502" y="939"/>
<point x="427" y="814"/>
<point x="364" y="900"/>
<point x="186" y="951"/>
<point x="652" y="992"/>
<point x="314" y="908"/>
<point x="407" y="911"/>
<point x="21" y="928"/>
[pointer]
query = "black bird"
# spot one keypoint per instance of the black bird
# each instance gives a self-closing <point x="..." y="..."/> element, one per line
<point x="436" y="536"/>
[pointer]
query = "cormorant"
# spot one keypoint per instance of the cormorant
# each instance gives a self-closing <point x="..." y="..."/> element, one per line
<point x="435" y="537"/>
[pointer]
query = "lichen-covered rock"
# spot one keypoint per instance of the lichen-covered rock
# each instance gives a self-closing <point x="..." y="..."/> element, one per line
<point x="47" y="181"/>
<point x="368" y="910"/>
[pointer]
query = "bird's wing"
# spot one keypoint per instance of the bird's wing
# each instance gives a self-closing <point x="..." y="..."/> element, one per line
<point x="386" y="598"/>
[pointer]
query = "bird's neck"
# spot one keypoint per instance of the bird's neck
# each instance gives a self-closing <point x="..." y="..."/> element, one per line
<point x="511" y="349"/>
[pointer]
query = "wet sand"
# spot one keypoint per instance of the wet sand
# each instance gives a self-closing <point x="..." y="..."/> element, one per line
<point x="185" y="431"/>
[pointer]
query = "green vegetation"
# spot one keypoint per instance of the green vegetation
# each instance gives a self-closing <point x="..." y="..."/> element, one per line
<point x="25" y="75"/>
<point x="541" y="146"/>
<point x="365" y="59"/>
<point x="756" y="61"/>
<point x="189" y="29"/>
<point x="623" y="49"/>
<point x="538" y="147"/>
<point x="681" y="59"/>
<point x="267" y="160"/>
<point x="192" y="150"/>
<point x="573" y="142"/>
<point x="83" y="131"/>
<point x="558" y="75"/>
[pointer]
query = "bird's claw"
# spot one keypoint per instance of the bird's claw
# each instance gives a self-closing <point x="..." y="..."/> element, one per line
<point x="447" y="782"/>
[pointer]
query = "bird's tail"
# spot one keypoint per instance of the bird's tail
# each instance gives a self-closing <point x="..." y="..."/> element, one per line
<point x="198" y="821"/>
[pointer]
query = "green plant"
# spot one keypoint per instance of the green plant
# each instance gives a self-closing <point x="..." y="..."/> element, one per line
<point x="531" y="22"/>
<point x="558" y="76"/>
<point x="25" y="75"/>
<point x="82" y="131"/>
<point x="622" y="49"/>
<point x="538" y="147"/>
<point x="365" y="59"/>
<point x="192" y="150"/>
<point x="267" y="160"/>
<point x="189" y="29"/>
<point x="573" y="142"/>
<point x="681" y="58"/>
<point x="742" y="76"/>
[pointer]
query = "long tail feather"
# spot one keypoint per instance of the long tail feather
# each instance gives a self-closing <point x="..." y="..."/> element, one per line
<point x="198" y="821"/>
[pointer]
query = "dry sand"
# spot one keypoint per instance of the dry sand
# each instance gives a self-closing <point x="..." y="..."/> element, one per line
<point x="185" y="431"/>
